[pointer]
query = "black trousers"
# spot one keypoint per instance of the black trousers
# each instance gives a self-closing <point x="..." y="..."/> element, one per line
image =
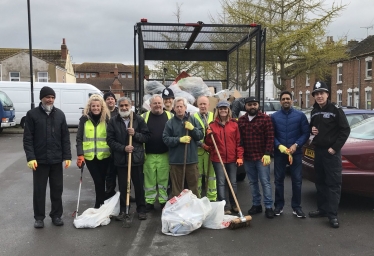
<point x="137" y="178"/>
<point x="98" y="169"/>
<point x="328" y="170"/>
<point x="111" y="179"/>
<point x="43" y="172"/>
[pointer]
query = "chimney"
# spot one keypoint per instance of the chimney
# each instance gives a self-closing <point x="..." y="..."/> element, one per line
<point x="330" y="40"/>
<point x="64" y="50"/>
<point x="352" y="44"/>
<point x="115" y="70"/>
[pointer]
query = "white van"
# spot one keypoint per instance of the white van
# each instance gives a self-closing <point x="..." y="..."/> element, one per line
<point x="70" y="98"/>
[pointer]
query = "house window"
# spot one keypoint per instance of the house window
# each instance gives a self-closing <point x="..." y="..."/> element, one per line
<point x="123" y="75"/>
<point x="339" y="73"/>
<point x="339" y="99"/>
<point x="88" y="75"/>
<point x="357" y="100"/>
<point x="369" y="67"/>
<point x="301" y="100"/>
<point x="43" y="77"/>
<point x="129" y="75"/>
<point x="307" y="80"/>
<point x="368" y="99"/>
<point x="76" y="75"/>
<point x="14" y="76"/>
<point x="307" y="99"/>
<point x="349" y="99"/>
<point x="81" y="75"/>
<point x="93" y="74"/>
<point x="292" y="83"/>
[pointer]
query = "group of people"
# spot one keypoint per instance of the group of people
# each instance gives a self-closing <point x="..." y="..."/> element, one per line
<point x="172" y="150"/>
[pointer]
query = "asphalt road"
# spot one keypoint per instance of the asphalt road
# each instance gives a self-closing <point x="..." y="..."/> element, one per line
<point x="283" y="235"/>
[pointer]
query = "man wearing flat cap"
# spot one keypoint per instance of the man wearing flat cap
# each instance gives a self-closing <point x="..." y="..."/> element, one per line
<point x="330" y="128"/>
<point x="46" y="143"/>
<point x="257" y="135"/>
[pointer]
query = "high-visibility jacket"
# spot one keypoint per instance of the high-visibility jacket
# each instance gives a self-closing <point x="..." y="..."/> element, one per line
<point x="94" y="141"/>
<point x="146" y="115"/>
<point x="209" y="119"/>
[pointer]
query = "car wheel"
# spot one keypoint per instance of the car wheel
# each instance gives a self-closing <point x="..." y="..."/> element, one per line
<point x="22" y="123"/>
<point x="1" y="130"/>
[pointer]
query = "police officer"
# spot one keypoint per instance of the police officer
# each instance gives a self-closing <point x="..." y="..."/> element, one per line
<point x="330" y="127"/>
<point x="205" y="165"/>
<point x="168" y="98"/>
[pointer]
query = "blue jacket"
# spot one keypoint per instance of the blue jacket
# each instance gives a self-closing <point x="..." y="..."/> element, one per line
<point x="290" y="127"/>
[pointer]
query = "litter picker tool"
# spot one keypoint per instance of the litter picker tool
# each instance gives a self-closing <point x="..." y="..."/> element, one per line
<point x="185" y="154"/>
<point x="128" y="219"/>
<point x="242" y="221"/>
<point x="79" y="191"/>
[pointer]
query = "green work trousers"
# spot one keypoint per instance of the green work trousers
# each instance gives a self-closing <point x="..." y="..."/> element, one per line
<point x="205" y="166"/>
<point x="156" y="177"/>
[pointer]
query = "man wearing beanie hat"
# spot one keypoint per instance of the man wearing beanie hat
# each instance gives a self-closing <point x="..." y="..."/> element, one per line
<point x="46" y="142"/>
<point x="330" y="127"/>
<point x="110" y="100"/>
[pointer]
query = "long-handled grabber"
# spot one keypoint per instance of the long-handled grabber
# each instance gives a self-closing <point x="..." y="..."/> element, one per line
<point x="79" y="192"/>
<point x="128" y="219"/>
<point x="242" y="221"/>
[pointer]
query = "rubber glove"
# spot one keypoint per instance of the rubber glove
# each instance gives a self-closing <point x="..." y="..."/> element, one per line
<point x="283" y="149"/>
<point x="67" y="163"/>
<point x="32" y="164"/>
<point x="188" y="126"/>
<point x="265" y="160"/>
<point x="209" y="131"/>
<point x="80" y="160"/>
<point x="206" y="147"/>
<point x="290" y="158"/>
<point x="239" y="162"/>
<point x="185" y="139"/>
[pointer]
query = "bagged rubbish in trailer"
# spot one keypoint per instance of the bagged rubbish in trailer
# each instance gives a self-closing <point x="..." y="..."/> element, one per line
<point x="195" y="86"/>
<point x="153" y="87"/>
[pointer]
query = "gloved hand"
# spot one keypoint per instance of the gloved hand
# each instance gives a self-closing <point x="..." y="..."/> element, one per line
<point x="209" y="131"/>
<point x="239" y="162"/>
<point x="80" y="160"/>
<point x="188" y="126"/>
<point x="290" y="159"/>
<point x="32" y="164"/>
<point x="283" y="149"/>
<point x="185" y="139"/>
<point x="265" y="160"/>
<point x="206" y="147"/>
<point x="67" y="163"/>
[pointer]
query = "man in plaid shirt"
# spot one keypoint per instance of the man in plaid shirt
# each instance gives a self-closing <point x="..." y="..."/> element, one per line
<point x="257" y="135"/>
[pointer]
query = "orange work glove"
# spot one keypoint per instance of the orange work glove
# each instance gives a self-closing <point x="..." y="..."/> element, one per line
<point x="206" y="147"/>
<point x="80" y="160"/>
<point x="239" y="162"/>
<point x="290" y="158"/>
<point x="209" y="131"/>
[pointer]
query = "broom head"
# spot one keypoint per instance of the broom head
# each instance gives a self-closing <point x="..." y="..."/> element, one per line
<point x="240" y="222"/>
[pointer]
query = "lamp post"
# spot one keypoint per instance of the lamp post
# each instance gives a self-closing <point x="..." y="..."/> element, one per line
<point x="30" y="53"/>
<point x="165" y="71"/>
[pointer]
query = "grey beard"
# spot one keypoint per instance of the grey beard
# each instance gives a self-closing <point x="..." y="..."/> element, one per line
<point x="48" y="108"/>
<point x="124" y="113"/>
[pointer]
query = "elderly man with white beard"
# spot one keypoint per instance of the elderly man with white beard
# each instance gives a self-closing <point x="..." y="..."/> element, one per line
<point x="118" y="133"/>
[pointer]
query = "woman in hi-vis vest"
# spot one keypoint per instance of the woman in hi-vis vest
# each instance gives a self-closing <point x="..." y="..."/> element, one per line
<point x="91" y="143"/>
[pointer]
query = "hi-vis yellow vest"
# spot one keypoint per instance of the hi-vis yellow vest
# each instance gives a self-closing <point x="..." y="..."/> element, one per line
<point x="94" y="141"/>
<point x="146" y="115"/>
<point x="210" y="119"/>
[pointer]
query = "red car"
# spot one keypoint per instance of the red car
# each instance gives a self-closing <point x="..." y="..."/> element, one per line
<point x="357" y="160"/>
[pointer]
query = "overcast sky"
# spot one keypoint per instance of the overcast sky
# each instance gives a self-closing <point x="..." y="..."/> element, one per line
<point x="102" y="31"/>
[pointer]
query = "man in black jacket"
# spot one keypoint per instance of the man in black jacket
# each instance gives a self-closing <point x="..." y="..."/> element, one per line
<point x="331" y="129"/>
<point x="46" y="143"/>
<point x="118" y="133"/>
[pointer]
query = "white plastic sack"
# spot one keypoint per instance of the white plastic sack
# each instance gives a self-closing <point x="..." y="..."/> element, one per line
<point x="195" y="86"/>
<point x="216" y="218"/>
<point x="153" y="87"/>
<point x="184" y="214"/>
<point x="91" y="218"/>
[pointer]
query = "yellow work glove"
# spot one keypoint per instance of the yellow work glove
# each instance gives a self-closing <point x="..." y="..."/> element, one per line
<point x="283" y="149"/>
<point x="185" y="139"/>
<point x="67" y="163"/>
<point x="32" y="164"/>
<point x="265" y="160"/>
<point x="188" y="126"/>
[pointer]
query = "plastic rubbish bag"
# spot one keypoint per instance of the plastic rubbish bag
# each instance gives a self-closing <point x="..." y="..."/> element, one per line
<point x="216" y="218"/>
<point x="184" y="214"/>
<point x="195" y="86"/>
<point x="190" y="99"/>
<point x="91" y="218"/>
<point x="153" y="87"/>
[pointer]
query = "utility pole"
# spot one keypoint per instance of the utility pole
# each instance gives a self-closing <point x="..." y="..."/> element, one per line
<point x="367" y="29"/>
<point x="30" y="53"/>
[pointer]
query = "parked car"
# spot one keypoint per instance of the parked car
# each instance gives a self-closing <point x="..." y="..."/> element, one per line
<point x="7" y="112"/>
<point x="357" y="159"/>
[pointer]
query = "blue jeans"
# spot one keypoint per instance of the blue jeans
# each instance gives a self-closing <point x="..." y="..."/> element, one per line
<point x="256" y="170"/>
<point x="280" y="162"/>
<point x="222" y="183"/>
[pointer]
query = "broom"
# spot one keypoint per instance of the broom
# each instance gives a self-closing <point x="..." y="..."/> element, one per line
<point x="128" y="219"/>
<point x="241" y="221"/>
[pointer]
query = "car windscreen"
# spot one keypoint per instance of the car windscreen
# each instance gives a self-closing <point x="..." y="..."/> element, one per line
<point x="363" y="130"/>
<point x="5" y="100"/>
<point x="272" y="106"/>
